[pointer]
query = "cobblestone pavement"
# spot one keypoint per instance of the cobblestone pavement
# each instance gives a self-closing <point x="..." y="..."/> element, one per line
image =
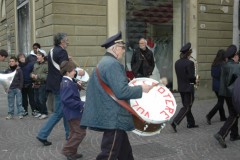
<point x="18" y="142"/>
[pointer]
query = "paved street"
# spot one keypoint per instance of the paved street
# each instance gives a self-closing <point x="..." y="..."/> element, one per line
<point x="18" y="142"/>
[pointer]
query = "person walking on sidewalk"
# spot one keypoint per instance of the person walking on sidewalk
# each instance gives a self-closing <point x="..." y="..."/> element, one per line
<point x="102" y="112"/>
<point x="186" y="79"/>
<point x="230" y="72"/>
<point x="216" y="73"/>
<point x="72" y="110"/>
<point x="56" y="56"/>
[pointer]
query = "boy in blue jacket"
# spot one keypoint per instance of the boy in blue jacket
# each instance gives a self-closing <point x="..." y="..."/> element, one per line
<point x="72" y="110"/>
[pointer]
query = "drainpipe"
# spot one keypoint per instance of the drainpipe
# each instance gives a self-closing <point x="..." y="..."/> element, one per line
<point x="236" y="23"/>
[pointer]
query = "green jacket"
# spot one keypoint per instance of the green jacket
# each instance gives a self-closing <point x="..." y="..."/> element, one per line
<point x="41" y="70"/>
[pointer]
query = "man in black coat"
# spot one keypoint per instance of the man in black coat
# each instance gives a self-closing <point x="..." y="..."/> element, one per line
<point x="229" y="73"/>
<point x="186" y="79"/>
<point x="236" y="95"/>
<point x="142" y="62"/>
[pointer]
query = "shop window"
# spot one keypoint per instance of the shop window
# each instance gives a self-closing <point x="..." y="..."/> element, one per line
<point x="23" y="26"/>
<point x="152" y="20"/>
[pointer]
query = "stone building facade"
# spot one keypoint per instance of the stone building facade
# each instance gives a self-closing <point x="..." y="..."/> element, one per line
<point x="208" y="25"/>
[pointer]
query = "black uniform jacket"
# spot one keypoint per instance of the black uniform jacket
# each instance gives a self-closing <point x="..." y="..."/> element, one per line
<point x="229" y="73"/>
<point x="236" y="95"/>
<point x="185" y="72"/>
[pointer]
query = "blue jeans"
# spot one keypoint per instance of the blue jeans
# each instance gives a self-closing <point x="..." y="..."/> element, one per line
<point x="12" y="93"/>
<point x="53" y="120"/>
<point x="40" y="97"/>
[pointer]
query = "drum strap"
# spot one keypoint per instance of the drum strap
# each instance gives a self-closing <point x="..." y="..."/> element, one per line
<point x="121" y="102"/>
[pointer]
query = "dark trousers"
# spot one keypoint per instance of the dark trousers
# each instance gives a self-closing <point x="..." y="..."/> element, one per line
<point x="231" y="122"/>
<point x="28" y="96"/>
<point x="76" y="136"/>
<point x="187" y="101"/>
<point x="218" y="107"/>
<point x="40" y="97"/>
<point x="115" y="146"/>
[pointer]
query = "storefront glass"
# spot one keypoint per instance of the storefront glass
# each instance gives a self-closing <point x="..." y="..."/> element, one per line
<point x="154" y="21"/>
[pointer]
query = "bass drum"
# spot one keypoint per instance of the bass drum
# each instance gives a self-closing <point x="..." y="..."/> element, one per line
<point x="155" y="107"/>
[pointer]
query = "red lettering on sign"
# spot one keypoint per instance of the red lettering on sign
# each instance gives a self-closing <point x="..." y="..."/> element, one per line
<point x="169" y="109"/>
<point x="161" y="90"/>
<point x="168" y="95"/>
<point x="147" y="114"/>
<point x="136" y="104"/>
<point x="141" y="109"/>
<point x="167" y="116"/>
<point x="169" y="101"/>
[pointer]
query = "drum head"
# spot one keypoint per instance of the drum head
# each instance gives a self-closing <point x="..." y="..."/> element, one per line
<point x="84" y="78"/>
<point x="157" y="106"/>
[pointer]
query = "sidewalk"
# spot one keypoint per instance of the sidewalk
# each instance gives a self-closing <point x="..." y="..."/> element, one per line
<point x="18" y="142"/>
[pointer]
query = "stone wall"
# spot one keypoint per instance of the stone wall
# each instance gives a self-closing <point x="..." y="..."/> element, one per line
<point x="84" y="21"/>
<point x="215" y="26"/>
<point x="7" y="31"/>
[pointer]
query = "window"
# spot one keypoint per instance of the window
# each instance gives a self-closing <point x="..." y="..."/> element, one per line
<point x="23" y="26"/>
<point x="152" y="20"/>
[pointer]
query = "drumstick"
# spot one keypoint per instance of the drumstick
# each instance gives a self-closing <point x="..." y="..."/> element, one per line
<point x="71" y="58"/>
<point x="85" y="63"/>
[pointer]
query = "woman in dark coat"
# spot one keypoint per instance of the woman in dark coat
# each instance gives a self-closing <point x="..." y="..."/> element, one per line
<point x="216" y="72"/>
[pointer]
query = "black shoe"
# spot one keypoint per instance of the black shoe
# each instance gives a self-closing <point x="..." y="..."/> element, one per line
<point x="174" y="127"/>
<point x="220" y="140"/>
<point x="25" y="114"/>
<point x="44" y="142"/>
<point x="192" y="126"/>
<point x="223" y="119"/>
<point x="235" y="138"/>
<point x="208" y="120"/>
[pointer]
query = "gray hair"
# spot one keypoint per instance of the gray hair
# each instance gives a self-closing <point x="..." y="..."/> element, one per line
<point x="110" y="49"/>
<point x="58" y="37"/>
<point x="145" y="41"/>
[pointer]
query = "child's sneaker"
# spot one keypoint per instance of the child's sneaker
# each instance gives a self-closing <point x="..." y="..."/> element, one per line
<point x="34" y="113"/>
<point x="20" y="117"/>
<point x="9" y="117"/>
<point x="38" y="115"/>
<point x="43" y="116"/>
